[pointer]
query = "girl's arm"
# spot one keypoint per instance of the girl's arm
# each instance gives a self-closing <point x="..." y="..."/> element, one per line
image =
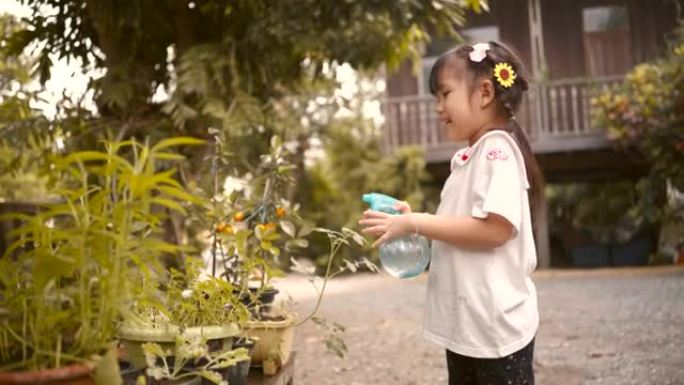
<point x="462" y="231"/>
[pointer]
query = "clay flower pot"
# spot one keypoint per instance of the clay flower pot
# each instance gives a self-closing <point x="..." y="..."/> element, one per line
<point x="76" y="374"/>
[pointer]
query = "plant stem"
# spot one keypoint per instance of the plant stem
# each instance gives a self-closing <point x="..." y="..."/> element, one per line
<point x="24" y="326"/>
<point x="214" y="171"/>
<point x="58" y="351"/>
<point x="334" y="247"/>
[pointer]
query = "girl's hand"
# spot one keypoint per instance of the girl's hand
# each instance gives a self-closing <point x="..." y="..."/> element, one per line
<point x="403" y="207"/>
<point x="385" y="226"/>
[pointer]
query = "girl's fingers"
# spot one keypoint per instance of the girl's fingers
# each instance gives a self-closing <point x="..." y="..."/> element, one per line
<point x="403" y="207"/>
<point x="371" y="222"/>
<point x="375" y="230"/>
<point x="381" y="240"/>
<point x="374" y="214"/>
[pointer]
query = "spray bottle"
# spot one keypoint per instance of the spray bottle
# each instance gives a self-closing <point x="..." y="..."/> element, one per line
<point x="403" y="257"/>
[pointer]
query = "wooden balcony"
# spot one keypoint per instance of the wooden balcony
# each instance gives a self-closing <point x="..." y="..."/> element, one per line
<point x="555" y="115"/>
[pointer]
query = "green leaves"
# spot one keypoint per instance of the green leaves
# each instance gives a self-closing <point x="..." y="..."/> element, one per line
<point x="81" y="262"/>
<point x="646" y="112"/>
<point x="306" y="229"/>
<point x="333" y="336"/>
<point x="477" y="5"/>
<point x="179" y="193"/>
<point x="288" y="227"/>
<point x="301" y="243"/>
<point x="176" y="142"/>
<point x="356" y="237"/>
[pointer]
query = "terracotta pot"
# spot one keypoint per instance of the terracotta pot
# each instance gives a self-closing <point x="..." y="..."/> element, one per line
<point x="77" y="374"/>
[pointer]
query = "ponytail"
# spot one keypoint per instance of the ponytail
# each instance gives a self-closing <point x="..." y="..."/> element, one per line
<point x="535" y="177"/>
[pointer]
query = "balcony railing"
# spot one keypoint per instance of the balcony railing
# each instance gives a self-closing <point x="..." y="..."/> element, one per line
<point x="556" y="116"/>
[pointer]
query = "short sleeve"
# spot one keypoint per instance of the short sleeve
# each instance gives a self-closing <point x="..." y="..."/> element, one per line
<point x="499" y="182"/>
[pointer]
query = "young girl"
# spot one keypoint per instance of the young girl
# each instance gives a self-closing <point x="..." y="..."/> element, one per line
<point x="481" y="303"/>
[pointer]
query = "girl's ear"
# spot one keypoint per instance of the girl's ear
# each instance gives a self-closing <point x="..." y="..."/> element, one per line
<point x="487" y="93"/>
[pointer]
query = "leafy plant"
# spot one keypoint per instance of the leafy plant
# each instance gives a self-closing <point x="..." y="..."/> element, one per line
<point x="191" y="301"/>
<point x="337" y="239"/>
<point x="612" y="211"/>
<point x="83" y="261"/>
<point x="252" y="227"/>
<point x="190" y="358"/>
<point x="647" y="112"/>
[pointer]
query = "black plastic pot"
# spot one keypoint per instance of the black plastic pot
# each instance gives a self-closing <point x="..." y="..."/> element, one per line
<point x="236" y="374"/>
<point x="130" y="374"/>
<point x="264" y="301"/>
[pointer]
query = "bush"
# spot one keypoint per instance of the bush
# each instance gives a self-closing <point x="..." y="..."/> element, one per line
<point x="647" y="111"/>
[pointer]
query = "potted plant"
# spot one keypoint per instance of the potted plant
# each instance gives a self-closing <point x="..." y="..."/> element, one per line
<point x="159" y="327"/>
<point x="83" y="260"/>
<point x="196" y="330"/>
<point x="199" y="311"/>
<point x="254" y="229"/>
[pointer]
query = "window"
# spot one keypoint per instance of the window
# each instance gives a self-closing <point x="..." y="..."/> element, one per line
<point x="606" y="39"/>
<point x="603" y="19"/>
<point x="481" y="34"/>
<point x="438" y="46"/>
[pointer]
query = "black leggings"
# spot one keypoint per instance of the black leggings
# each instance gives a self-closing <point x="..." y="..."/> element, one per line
<point x="515" y="369"/>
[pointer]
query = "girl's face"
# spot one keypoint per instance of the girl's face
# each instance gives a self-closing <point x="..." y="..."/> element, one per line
<point x="458" y="107"/>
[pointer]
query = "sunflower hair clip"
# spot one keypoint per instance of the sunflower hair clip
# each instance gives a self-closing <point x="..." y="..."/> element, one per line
<point x="504" y="74"/>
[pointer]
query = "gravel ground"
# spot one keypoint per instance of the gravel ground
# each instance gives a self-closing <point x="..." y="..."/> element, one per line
<point x="620" y="326"/>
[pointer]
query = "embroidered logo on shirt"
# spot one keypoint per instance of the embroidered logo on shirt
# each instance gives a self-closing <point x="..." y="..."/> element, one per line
<point x="497" y="154"/>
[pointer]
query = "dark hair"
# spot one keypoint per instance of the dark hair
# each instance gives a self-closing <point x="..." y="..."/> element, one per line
<point x="509" y="99"/>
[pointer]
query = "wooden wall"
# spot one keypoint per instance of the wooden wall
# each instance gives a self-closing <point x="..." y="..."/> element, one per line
<point x="402" y="82"/>
<point x="650" y="21"/>
<point x="514" y="27"/>
<point x="511" y="18"/>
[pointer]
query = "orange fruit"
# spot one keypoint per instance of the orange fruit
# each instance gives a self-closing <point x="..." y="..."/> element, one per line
<point x="264" y="227"/>
<point x="239" y="216"/>
<point x="228" y="229"/>
<point x="280" y="212"/>
<point x="220" y="227"/>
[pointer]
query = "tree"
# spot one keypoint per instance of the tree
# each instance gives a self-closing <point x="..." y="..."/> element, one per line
<point x="207" y="53"/>
<point x="237" y="70"/>
<point x="217" y="60"/>
<point x="19" y="176"/>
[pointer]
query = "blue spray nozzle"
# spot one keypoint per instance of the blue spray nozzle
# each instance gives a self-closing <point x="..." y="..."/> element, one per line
<point x="381" y="202"/>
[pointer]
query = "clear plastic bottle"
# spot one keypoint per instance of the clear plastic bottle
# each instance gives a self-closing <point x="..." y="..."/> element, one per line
<point x="403" y="257"/>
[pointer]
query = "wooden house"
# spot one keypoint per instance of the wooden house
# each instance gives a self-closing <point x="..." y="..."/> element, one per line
<point x="573" y="49"/>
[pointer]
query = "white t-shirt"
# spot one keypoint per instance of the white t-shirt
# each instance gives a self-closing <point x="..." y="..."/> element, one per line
<point x="481" y="302"/>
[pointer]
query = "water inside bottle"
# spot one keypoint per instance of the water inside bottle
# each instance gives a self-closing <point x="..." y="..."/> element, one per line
<point x="405" y="257"/>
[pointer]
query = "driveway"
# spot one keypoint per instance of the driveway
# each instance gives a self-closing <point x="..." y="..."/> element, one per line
<point x="613" y="326"/>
